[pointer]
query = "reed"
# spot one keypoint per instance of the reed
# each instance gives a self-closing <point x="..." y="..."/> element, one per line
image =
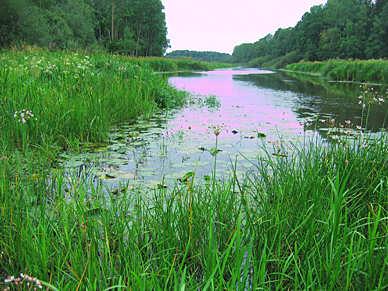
<point x="346" y="70"/>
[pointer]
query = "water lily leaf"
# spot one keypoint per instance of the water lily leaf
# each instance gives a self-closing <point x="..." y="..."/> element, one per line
<point x="75" y="163"/>
<point x="214" y="151"/>
<point x="137" y="143"/>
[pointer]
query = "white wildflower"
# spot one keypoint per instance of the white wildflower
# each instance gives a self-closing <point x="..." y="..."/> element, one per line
<point x="23" y="115"/>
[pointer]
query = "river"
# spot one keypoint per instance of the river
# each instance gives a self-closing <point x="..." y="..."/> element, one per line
<point x="248" y="112"/>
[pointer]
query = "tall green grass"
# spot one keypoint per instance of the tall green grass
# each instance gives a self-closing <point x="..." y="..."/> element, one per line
<point x="315" y="220"/>
<point x="346" y="70"/>
<point x="75" y="97"/>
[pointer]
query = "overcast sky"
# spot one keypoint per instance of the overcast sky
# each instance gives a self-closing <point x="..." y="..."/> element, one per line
<point x="219" y="25"/>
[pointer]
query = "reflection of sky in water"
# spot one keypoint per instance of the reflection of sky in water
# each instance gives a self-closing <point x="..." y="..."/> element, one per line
<point x="172" y="144"/>
<point x="244" y="107"/>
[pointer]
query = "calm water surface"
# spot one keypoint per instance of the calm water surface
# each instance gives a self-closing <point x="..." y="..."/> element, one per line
<point x="257" y="109"/>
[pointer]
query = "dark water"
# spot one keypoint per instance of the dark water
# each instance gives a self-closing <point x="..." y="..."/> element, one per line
<point x="256" y="109"/>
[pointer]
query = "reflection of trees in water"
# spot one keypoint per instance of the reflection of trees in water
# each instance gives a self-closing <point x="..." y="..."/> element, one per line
<point x="319" y="98"/>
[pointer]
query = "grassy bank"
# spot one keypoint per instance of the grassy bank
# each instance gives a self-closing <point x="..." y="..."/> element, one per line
<point x="317" y="219"/>
<point x="346" y="70"/>
<point x="61" y="98"/>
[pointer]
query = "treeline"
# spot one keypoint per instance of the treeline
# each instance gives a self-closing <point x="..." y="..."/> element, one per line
<point x="356" y="29"/>
<point x="206" y="56"/>
<point x="134" y="27"/>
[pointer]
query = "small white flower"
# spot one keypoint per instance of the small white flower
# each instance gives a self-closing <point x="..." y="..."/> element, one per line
<point x="23" y="116"/>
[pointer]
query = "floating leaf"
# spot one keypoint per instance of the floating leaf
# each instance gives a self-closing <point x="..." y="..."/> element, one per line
<point x="214" y="151"/>
<point x="110" y="176"/>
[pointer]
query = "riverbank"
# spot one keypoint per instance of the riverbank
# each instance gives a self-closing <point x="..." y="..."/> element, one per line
<point x="314" y="219"/>
<point x="62" y="98"/>
<point x="345" y="70"/>
<point x="316" y="216"/>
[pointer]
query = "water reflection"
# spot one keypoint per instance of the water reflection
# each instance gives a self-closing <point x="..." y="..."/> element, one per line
<point x="317" y="97"/>
<point x="257" y="108"/>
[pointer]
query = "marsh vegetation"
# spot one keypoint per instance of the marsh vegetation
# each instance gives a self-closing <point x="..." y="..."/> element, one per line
<point x="310" y="211"/>
<point x="125" y="172"/>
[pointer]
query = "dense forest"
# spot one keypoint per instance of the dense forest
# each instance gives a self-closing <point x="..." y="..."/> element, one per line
<point x="134" y="27"/>
<point x="206" y="56"/>
<point x="356" y="29"/>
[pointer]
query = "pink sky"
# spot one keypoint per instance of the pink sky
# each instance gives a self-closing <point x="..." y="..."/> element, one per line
<point x="219" y="25"/>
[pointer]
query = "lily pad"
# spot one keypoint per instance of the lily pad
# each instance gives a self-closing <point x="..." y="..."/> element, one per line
<point x="214" y="151"/>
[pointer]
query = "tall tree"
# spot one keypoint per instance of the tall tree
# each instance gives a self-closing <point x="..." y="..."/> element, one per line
<point x="135" y="27"/>
<point x="338" y="29"/>
<point x="378" y="41"/>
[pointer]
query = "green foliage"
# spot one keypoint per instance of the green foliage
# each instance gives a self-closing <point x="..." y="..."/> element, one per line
<point x="378" y="39"/>
<point x="130" y="27"/>
<point x="201" y="56"/>
<point x="317" y="218"/>
<point x="343" y="70"/>
<point x="275" y="63"/>
<point x="314" y="217"/>
<point x="76" y="96"/>
<point x="339" y="29"/>
<point x="244" y="52"/>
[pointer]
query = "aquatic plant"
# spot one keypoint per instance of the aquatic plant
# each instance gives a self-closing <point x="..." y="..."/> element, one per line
<point x="314" y="218"/>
